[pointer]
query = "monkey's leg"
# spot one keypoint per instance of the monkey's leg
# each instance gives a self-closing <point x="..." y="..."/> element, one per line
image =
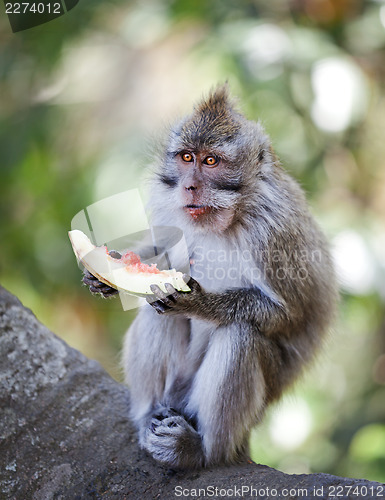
<point x="227" y="398"/>
<point x="169" y="434"/>
<point x="228" y="393"/>
<point x="154" y="357"/>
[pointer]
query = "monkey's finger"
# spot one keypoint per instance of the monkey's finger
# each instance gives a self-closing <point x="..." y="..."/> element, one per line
<point x="173" y="294"/>
<point x="159" y="306"/>
<point x="161" y="295"/>
<point x="88" y="277"/>
<point x="89" y="281"/>
<point x="191" y="283"/>
<point x="94" y="289"/>
<point x="108" y="291"/>
<point x="94" y="283"/>
<point x="157" y="291"/>
<point x="105" y="292"/>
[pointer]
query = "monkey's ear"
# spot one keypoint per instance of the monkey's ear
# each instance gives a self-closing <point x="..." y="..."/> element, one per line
<point x="261" y="155"/>
<point x="273" y="155"/>
<point x="267" y="156"/>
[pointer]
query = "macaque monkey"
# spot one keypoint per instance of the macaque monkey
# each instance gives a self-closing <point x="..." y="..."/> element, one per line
<point x="203" y="366"/>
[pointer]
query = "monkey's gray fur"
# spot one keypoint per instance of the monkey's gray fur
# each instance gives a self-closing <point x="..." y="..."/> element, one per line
<point x="203" y="366"/>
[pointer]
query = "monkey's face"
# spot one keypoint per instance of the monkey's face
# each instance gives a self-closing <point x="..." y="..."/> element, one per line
<point x="206" y="190"/>
<point x="210" y="165"/>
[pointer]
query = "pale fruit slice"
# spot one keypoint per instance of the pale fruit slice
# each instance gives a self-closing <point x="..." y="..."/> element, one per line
<point x="127" y="274"/>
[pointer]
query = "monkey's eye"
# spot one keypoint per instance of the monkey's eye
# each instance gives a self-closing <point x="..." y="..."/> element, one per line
<point x="187" y="157"/>
<point x="211" y="161"/>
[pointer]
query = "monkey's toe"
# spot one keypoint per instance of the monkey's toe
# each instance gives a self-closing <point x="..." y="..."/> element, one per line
<point x="173" y="442"/>
<point x="161" y="412"/>
<point x="169" y="425"/>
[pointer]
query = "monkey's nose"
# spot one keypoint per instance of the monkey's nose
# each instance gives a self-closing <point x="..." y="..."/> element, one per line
<point x="190" y="188"/>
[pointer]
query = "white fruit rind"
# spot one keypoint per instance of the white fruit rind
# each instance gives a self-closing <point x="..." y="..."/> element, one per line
<point x="116" y="274"/>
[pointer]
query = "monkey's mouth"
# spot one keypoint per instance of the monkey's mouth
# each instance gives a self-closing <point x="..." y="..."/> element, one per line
<point x="197" y="210"/>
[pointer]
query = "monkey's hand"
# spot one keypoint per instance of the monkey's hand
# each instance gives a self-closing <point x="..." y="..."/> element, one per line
<point x="98" y="287"/>
<point x="175" y="302"/>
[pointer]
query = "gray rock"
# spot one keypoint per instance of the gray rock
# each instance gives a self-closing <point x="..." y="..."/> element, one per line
<point x="65" y="433"/>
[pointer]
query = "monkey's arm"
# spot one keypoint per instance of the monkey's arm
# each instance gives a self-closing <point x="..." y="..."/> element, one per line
<point x="250" y="305"/>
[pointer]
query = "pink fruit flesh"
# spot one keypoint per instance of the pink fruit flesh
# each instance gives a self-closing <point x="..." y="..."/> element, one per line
<point x="134" y="265"/>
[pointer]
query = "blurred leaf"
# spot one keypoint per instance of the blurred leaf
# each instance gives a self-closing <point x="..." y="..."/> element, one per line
<point x="368" y="443"/>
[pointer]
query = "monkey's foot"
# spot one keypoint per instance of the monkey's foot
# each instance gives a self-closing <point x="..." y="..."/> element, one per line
<point x="161" y="412"/>
<point x="173" y="441"/>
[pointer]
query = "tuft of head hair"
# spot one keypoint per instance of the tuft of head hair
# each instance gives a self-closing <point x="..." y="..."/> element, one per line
<point x="213" y="122"/>
<point x="217" y="101"/>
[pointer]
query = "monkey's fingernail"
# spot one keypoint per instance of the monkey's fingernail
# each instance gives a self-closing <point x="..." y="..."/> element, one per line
<point x="157" y="291"/>
<point x="169" y="288"/>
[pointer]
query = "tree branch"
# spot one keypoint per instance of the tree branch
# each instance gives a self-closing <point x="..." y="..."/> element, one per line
<point x="65" y="433"/>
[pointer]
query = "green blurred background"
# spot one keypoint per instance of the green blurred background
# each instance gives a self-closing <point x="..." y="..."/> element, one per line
<point x="81" y="99"/>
